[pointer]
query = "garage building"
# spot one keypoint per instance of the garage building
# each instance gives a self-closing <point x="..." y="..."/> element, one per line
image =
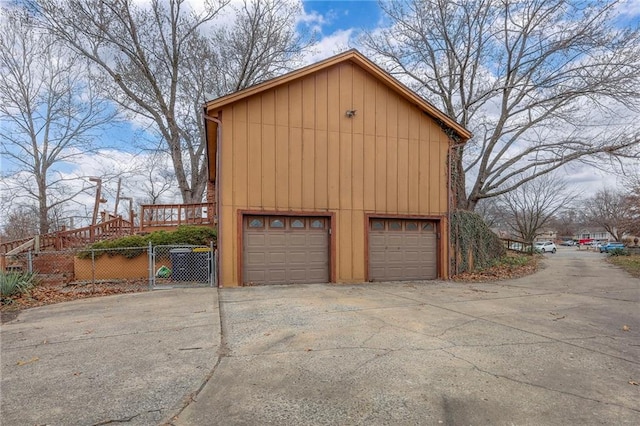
<point x="332" y="173"/>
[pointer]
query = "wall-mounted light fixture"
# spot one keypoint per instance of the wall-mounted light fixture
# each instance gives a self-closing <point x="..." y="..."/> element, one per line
<point x="350" y="113"/>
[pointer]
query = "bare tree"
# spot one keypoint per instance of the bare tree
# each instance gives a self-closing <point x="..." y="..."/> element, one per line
<point x="632" y="203"/>
<point x="530" y="78"/>
<point x="262" y="44"/>
<point x="490" y="212"/>
<point x="529" y="207"/>
<point x="158" y="62"/>
<point x="50" y="117"/>
<point x="567" y="221"/>
<point x="159" y="178"/>
<point x="608" y="209"/>
<point x="20" y="222"/>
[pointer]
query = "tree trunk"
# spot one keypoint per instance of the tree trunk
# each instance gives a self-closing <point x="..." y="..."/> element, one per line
<point x="43" y="209"/>
<point x="458" y="180"/>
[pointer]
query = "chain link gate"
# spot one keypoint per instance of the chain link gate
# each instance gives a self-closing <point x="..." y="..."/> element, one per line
<point x="181" y="266"/>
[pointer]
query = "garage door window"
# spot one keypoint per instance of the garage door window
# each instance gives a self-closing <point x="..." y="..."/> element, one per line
<point x="256" y="222"/>
<point x="411" y="226"/>
<point x="297" y="223"/>
<point x="395" y="225"/>
<point x="427" y="226"/>
<point x="377" y="225"/>
<point x="276" y="223"/>
<point x="317" y="224"/>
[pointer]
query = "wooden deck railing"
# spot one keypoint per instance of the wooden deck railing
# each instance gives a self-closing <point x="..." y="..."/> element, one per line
<point x="153" y="216"/>
<point x="10" y="245"/>
<point x="74" y="237"/>
<point x="168" y="215"/>
<point x="113" y="228"/>
<point x="517" y="245"/>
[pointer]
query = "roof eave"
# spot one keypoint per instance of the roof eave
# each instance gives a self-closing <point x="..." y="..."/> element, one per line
<point x="360" y="60"/>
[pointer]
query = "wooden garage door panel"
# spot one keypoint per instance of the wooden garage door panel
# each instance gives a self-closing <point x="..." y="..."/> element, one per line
<point x="298" y="252"/>
<point x="276" y="257"/>
<point x="409" y="253"/>
<point x="255" y="240"/>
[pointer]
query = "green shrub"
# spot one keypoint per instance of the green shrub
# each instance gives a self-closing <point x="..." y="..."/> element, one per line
<point x="15" y="282"/>
<point x="618" y="252"/>
<point x="134" y="245"/>
<point x="475" y="246"/>
<point x="514" y="260"/>
<point x="190" y="235"/>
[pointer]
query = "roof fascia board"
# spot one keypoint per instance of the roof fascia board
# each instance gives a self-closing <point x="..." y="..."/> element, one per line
<point x="361" y="61"/>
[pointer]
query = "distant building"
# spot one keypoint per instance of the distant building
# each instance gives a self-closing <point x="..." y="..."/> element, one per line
<point x="598" y="234"/>
<point x="547" y="235"/>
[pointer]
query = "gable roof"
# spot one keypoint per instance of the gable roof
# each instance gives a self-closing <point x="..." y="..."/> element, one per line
<point x="362" y="61"/>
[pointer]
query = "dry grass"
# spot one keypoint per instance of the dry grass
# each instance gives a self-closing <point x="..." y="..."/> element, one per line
<point x="631" y="264"/>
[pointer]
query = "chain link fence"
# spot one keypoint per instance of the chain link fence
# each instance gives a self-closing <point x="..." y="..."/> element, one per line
<point x="180" y="266"/>
<point x="124" y="269"/>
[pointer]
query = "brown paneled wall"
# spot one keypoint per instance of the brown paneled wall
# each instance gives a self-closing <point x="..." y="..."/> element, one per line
<point x="293" y="148"/>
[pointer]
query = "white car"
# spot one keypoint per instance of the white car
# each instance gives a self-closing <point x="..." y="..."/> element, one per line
<point x="545" y="246"/>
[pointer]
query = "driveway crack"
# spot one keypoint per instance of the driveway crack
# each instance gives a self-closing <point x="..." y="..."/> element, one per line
<point x="522" y="382"/>
<point x="125" y="419"/>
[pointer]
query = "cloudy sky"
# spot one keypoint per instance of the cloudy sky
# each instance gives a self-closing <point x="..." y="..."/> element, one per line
<point x="337" y="25"/>
<point x="340" y="22"/>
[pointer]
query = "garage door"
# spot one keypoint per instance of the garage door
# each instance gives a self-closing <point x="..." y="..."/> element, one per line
<point x="285" y="250"/>
<point x="401" y="250"/>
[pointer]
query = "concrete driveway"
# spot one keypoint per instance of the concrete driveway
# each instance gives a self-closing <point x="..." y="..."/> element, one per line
<point x="559" y="347"/>
<point x="130" y="358"/>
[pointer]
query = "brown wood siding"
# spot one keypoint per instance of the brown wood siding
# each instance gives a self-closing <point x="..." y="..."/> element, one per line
<point x="292" y="148"/>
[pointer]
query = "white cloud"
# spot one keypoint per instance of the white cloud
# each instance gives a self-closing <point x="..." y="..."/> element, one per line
<point x="328" y="46"/>
<point x="629" y="8"/>
<point x="311" y="18"/>
<point x="110" y="165"/>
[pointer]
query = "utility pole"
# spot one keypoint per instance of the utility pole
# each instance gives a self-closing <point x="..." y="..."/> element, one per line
<point x="99" y="199"/>
<point x="115" y="209"/>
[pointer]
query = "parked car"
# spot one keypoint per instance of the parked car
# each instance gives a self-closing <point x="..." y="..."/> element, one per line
<point x="568" y="243"/>
<point x="610" y="246"/>
<point x="545" y="246"/>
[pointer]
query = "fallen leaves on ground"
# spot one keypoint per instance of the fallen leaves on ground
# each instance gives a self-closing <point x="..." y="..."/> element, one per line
<point x="499" y="272"/>
<point x="32" y="360"/>
<point x="50" y="294"/>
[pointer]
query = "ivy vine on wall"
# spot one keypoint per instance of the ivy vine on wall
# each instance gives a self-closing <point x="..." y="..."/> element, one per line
<point x="474" y="245"/>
